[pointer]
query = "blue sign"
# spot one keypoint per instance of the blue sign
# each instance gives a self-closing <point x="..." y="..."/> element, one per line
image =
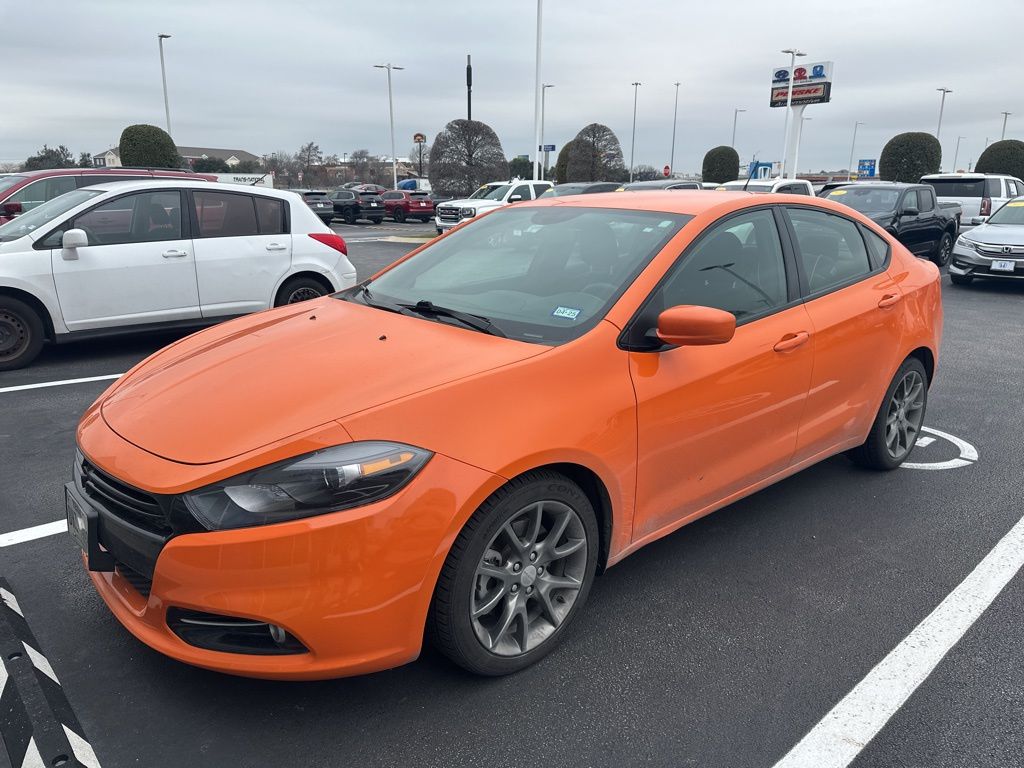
<point x="866" y="168"/>
<point x="546" y="147"/>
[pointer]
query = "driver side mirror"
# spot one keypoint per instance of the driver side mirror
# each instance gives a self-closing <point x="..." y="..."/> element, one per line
<point x="12" y="209"/>
<point x="515" y="198"/>
<point x="909" y="210"/>
<point x="976" y="220"/>
<point x="73" y="239"/>
<point x="687" y="325"/>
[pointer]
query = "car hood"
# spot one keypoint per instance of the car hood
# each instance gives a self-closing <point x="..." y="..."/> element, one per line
<point x="997" y="234"/>
<point x="254" y="381"/>
<point x="478" y="203"/>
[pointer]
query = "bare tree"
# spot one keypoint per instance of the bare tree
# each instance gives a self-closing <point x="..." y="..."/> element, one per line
<point x="418" y="160"/>
<point x="369" y="169"/>
<point x="10" y="167"/>
<point x="646" y="173"/>
<point x="308" y="156"/>
<point x="596" y="156"/>
<point x="466" y="154"/>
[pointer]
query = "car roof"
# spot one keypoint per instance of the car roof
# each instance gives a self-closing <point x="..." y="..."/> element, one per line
<point x="142" y="173"/>
<point x="880" y="184"/>
<point x="183" y="183"/>
<point x="967" y="176"/>
<point x="686" y="201"/>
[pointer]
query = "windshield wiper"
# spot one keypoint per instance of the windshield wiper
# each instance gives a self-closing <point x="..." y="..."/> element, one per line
<point x="476" y="322"/>
<point x="367" y="298"/>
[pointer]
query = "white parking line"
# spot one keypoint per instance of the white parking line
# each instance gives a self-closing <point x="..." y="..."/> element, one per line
<point x="840" y="736"/>
<point x="43" y="384"/>
<point x="35" y="532"/>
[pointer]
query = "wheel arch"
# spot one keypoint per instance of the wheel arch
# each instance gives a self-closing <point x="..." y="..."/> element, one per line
<point x="927" y="358"/>
<point x="305" y="273"/>
<point x="36" y="304"/>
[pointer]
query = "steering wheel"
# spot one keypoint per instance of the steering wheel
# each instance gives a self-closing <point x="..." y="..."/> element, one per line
<point x="600" y="290"/>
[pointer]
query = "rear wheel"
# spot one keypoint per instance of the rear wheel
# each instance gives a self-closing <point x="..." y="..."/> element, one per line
<point x="299" y="289"/>
<point x="349" y="216"/>
<point x="398" y="214"/>
<point x="961" y="279"/>
<point x="944" y="250"/>
<point x="516" y="576"/>
<point x="21" y="334"/>
<point x="899" y="420"/>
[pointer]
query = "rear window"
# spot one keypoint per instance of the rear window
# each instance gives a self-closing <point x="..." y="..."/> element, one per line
<point x="424" y="195"/>
<point x="960" y="187"/>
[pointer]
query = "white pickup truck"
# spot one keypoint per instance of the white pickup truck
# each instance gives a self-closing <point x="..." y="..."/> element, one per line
<point x="490" y="196"/>
<point x="979" y="194"/>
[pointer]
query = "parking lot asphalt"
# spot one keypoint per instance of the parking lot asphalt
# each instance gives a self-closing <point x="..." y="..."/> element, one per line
<point x="720" y="645"/>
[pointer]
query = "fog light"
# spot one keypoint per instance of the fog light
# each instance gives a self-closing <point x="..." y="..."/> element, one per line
<point x="278" y="635"/>
<point x="232" y="634"/>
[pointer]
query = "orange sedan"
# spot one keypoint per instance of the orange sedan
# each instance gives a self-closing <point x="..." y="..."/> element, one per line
<point x="459" y="444"/>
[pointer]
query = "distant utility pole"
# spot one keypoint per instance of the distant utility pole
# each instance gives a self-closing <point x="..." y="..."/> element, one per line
<point x="469" y="87"/>
<point x="163" y="76"/>
<point x="391" y="113"/>
<point x="675" y="119"/>
<point x="1005" y="115"/>
<point x="632" y="143"/>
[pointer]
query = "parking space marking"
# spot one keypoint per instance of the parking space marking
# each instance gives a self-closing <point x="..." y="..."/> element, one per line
<point x="968" y="453"/>
<point x="35" y="532"/>
<point x="840" y="736"/>
<point x="63" y="382"/>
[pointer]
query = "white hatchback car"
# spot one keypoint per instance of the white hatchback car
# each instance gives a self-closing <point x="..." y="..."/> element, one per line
<point x="133" y="256"/>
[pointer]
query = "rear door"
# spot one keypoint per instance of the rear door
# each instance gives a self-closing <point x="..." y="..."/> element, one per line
<point x="243" y="249"/>
<point x="139" y="266"/>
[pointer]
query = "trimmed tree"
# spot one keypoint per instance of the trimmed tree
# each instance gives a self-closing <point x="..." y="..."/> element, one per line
<point x="721" y="164"/>
<point x="521" y="167"/>
<point x="464" y="156"/>
<point x="596" y="156"/>
<point x="909" y="156"/>
<point x="562" y="163"/>
<point x="1005" y="156"/>
<point x="148" y="146"/>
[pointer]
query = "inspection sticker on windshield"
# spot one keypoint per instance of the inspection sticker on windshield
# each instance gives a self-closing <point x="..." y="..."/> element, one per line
<point x="837" y="193"/>
<point x="1017" y="204"/>
<point x="569" y="312"/>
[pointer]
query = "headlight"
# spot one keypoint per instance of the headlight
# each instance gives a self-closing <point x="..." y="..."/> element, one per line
<point x="468" y="213"/>
<point x="963" y="242"/>
<point x="323" y="481"/>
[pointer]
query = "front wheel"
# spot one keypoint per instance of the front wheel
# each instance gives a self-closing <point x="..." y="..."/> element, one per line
<point x="517" y="575"/>
<point x="961" y="279"/>
<point x="944" y="250"/>
<point x="898" y="422"/>
<point x="21" y="334"/>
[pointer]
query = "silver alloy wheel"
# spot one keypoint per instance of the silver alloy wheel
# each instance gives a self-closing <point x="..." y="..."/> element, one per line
<point x="945" y="250"/>
<point x="14" y="334"/>
<point x="303" y="294"/>
<point x="528" y="578"/>
<point x="904" y="416"/>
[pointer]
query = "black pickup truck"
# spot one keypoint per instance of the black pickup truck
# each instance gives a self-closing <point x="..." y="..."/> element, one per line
<point x="910" y="212"/>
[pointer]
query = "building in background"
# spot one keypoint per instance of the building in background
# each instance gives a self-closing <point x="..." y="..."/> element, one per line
<point x="111" y="158"/>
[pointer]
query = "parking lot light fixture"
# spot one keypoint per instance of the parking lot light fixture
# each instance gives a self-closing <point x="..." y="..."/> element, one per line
<point x="163" y="77"/>
<point x="391" y="113"/>
<point x="632" y="142"/>
<point x="853" y="146"/>
<point x="675" y="119"/>
<point x="942" y="105"/>
<point x="957" y="153"/>
<point x="1003" y="134"/>
<point x="735" y="116"/>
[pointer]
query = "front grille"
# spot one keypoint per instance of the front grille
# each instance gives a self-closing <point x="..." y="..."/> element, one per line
<point x="142" y="584"/>
<point x="121" y="500"/>
<point x="997" y="252"/>
<point x="448" y="214"/>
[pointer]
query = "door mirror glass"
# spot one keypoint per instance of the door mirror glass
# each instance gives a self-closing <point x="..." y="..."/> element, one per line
<point x="696" y="326"/>
<point x="74" y="238"/>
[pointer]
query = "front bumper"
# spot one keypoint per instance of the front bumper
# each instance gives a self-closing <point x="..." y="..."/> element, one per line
<point x="354" y="587"/>
<point x="967" y="262"/>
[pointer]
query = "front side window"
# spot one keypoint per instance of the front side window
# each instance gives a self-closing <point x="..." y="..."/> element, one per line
<point x="137" y="218"/>
<point x="541" y="275"/>
<point x="736" y="266"/>
<point x="523" y="190"/>
<point x="830" y="249"/>
<point x="490" y="192"/>
<point x="924" y="201"/>
<point x="42" y="215"/>
<point x="224" y="214"/>
<point x="39" y="192"/>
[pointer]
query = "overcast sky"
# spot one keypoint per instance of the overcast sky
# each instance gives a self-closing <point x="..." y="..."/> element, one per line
<point x="265" y="75"/>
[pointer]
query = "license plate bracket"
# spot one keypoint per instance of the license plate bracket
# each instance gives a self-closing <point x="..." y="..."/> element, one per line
<point x="1001" y="265"/>
<point x="83" y="525"/>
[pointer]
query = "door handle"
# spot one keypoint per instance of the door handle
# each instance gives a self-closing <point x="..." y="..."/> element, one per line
<point x="276" y="247"/>
<point x="173" y="254"/>
<point x="791" y="341"/>
<point x="889" y="300"/>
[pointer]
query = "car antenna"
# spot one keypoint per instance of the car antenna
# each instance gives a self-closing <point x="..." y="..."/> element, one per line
<point x="261" y="178"/>
<point x="753" y="167"/>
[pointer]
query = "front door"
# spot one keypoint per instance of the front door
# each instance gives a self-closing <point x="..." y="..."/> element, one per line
<point x="138" y="268"/>
<point x="714" y="420"/>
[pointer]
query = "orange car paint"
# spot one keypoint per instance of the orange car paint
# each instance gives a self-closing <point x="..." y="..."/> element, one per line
<point x="668" y="437"/>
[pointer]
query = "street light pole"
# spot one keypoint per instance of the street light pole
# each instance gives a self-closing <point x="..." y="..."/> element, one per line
<point x="163" y="76"/>
<point x="391" y="113"/>
<point x="675" y="119"/>
<point x="957" y="153"/>
<point x="793" y="53"/>
<point x="853" y="145"/>
<point x="543" y="109"/>
<point x="537" y="97"/>
<point x="1005" y="115"/>
<point x="942" y="105"/>
<point x="735" y="116"/>
<point x="632" y="142"/>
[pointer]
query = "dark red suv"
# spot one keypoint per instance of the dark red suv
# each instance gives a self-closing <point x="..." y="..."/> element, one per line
<point x="401" y="205"/>
<point x="21" y="192"/>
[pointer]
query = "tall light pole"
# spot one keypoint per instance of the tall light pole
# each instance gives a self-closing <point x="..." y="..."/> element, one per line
<point x="543" y="93"/>
<point x="163" y="76"/>
<point x="793" y="53"/>
<point x="853" y="145"/>
<point x="957" y="153"/>
<point x="735" y="116"/>
<point x="391" y="113"/>
<point x="632" y="142"/>
<point x="942" y="104"/>
<point x="675" y="119"/>
<point x="537" y="97"/>
<point x="1005" y="115"/>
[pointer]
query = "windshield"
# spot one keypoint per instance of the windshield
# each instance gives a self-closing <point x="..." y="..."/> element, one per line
<point x="6" y="182"/>
<point x="870" y="200"/>
<point x="43" y="214"/>
<point x="490" y="192"/>
<point x="542" y="275"/>
<point x="1011" y="213"/>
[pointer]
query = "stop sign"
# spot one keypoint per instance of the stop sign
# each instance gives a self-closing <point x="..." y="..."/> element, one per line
<point x="666" y="171"/>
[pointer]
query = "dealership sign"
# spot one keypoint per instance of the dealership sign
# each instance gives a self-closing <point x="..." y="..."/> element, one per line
<point x="812" y="84"/>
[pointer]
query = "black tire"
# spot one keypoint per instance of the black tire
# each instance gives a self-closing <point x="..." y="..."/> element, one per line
<point x="377" y="220"/>
<point x="22" y="334"/>
<point x="424" y="221"/>
<point x="961" y="279"/>
<point x="451" y="626"/>
<point x="943" y="251"/>
<point x="327" y="220"/>
<point x="349" y="216"/>
<point x="299" y="289"/>
<point x="875" y="453"/>
<point x="398" y="214"/>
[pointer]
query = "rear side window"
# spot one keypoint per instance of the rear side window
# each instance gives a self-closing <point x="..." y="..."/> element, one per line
<point x="270" y="216"/>
<point x="995" y="188"/>
<point x="540" y="189"/>
<point x="222" y="214"/>
<point x="961" y="187"/>
<point x="830" y="249"/>
<point x="878" y="249"/>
